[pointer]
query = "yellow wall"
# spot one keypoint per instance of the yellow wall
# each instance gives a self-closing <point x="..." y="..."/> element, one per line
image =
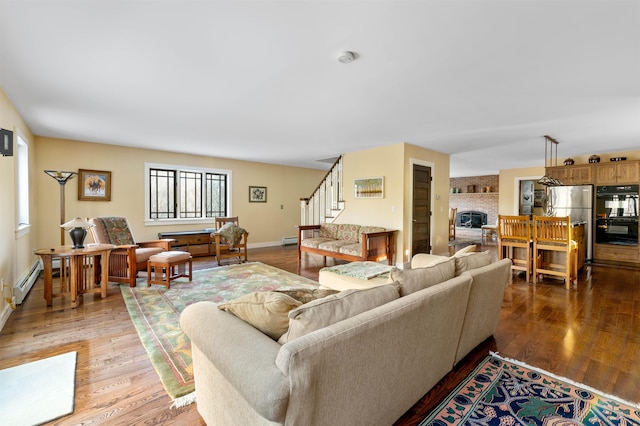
<point x="266" y="222"/>
<point x="509" y="183"/>
<point x="15" y="253"/>
<point x="394" y="163"/>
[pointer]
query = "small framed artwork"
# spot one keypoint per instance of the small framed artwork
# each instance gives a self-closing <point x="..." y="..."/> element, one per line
<point x="94" y="185"/>
<point x="257" y="194"/>
<point x="369" y="187"/>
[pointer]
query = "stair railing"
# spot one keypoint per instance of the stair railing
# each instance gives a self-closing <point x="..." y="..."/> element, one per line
<point x="326" y="202"/>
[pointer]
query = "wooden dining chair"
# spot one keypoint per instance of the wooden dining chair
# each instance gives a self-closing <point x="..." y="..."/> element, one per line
<point x="230" y="239"/>
<point x="554" y="251"/>
<point x="452" y="223"/>
<point x="514" y="242"/>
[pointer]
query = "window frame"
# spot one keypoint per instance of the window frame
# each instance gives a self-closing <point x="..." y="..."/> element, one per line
<point x="22" y="185"/>
<point x="183" y="168"/>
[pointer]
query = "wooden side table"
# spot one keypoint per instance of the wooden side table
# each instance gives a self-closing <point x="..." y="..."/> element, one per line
<point x="81" y="270"/>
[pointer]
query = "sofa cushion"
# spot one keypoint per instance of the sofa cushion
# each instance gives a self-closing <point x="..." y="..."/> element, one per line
<point x="117" y="230"/>
<point x="329" y="310"/>
<point x="412" y="280"/>
<point x="315" y="242"/>
<point x="468" y="261"/>
<point x="333" y="245"/>
<point x="329" y="230"/>
<point x="306" y="295"/>
<point x="267" y="311"/>
<point x="352" y="249"/>
<point x="348" y="232"/>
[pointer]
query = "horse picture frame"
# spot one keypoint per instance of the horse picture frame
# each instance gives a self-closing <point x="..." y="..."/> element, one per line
<point x="94" y="185"/>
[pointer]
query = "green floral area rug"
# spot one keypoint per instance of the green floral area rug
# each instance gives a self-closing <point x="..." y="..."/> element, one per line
<point x="507" y="392"/>
<point x="155" y="312"/>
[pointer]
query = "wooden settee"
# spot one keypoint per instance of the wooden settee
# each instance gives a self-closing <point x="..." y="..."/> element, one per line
<point x="346" y="242"/>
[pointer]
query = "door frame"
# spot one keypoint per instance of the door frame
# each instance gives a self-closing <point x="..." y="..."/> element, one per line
<point x="516" y="192"/>
<point x="409" y="241"/>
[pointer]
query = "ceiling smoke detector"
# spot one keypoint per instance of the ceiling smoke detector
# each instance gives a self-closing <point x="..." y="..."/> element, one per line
<point x="346" y="57"/>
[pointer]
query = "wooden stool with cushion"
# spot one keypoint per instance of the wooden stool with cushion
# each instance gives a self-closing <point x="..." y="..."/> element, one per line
<point x="167" y="266"/>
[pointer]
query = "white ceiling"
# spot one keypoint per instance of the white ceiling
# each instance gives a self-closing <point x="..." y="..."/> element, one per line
<point x="482" y="80"/>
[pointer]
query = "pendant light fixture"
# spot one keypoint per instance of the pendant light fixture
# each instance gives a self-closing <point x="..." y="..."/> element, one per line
<point x="550" y="160"/>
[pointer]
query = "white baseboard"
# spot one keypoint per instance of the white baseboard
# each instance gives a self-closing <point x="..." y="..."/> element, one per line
<point x="5" y="313"/>
<point x="265" y="244"/>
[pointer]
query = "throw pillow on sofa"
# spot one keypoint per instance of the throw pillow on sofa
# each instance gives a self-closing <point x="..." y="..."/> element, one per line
<point x="468" y="261"/>
<point x="412" y="280"/>
<point x="306" y="295"/>
<point x="329" y="310"/>
<point x="267" y="311"/>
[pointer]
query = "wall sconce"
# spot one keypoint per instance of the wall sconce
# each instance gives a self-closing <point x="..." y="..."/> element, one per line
<point x="77" y="230"/>
<point x="6" y="142"/>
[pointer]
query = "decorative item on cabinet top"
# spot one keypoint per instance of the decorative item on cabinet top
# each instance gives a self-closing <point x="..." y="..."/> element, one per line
<point x="617" y="158"/>
<point x="594" y="159"/>
<point x="569" y="162"/>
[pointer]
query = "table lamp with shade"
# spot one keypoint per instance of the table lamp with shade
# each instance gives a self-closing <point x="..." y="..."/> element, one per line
<point x="77" y="230"/>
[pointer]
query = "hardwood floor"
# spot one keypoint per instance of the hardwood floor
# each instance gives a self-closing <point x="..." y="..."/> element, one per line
<point x="590" y="334"/>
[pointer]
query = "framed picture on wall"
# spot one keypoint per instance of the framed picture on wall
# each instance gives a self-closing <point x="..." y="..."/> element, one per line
<point x="94" y="185"/>
<point x="369" y="187"/>
<point x="257" y="194"/>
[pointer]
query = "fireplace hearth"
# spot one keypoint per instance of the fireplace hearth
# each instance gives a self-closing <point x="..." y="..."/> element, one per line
<point x="471" y="219"/>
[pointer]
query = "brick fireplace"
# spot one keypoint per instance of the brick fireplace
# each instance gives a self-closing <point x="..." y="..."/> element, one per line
<point x="477" y="201"/>
<point x="471" y="219"/>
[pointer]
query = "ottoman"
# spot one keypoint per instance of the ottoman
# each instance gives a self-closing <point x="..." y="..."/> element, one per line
<point x="166" y="266"/>
<point x="354" y="275"/>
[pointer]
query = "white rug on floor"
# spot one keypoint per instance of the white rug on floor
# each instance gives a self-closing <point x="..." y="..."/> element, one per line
<point x="39" y="391"/>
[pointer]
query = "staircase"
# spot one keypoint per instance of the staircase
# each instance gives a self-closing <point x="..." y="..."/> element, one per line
<point x="326" y="202"/>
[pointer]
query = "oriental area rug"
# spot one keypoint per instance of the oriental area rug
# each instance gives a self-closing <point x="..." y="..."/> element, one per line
<point x="155" y="312"/>
<point x="507" y="392"/>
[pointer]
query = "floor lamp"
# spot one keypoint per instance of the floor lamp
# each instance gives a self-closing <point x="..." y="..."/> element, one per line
<point x="62" y="178"/>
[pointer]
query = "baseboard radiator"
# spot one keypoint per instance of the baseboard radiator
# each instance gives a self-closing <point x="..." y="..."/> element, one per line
<point x="23" y="286"/>
<point x="289" y="240"/>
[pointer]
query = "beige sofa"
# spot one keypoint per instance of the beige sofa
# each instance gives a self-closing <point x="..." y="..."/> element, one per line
<point x="366" y="369"/>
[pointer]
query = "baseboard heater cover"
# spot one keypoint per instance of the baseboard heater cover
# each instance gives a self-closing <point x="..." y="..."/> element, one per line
<point x="24" y="285"/>
<point x="289" y="240"/>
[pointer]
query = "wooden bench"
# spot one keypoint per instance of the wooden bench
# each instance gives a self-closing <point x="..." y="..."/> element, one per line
<point x="373" y="246"/>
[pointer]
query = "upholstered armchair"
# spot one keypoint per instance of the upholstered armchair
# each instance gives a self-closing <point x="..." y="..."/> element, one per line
<point x="231" y="239"/>
<point x="130" y="256"/>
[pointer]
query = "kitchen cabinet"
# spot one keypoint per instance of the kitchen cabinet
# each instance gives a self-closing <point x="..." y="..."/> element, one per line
<point x="572" y="175"/>
<point x="617" y="172"/>
<point x="609" y="253"/>
<point x="198" y="243"/>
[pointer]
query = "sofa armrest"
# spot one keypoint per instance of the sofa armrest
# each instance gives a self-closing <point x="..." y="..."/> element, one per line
<point x="242" y="354"/>
<point x="303" y="228"/>
<point x="423" y="260"/>
<point x="164" y="243"/>
<point x="380" y="242"/>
